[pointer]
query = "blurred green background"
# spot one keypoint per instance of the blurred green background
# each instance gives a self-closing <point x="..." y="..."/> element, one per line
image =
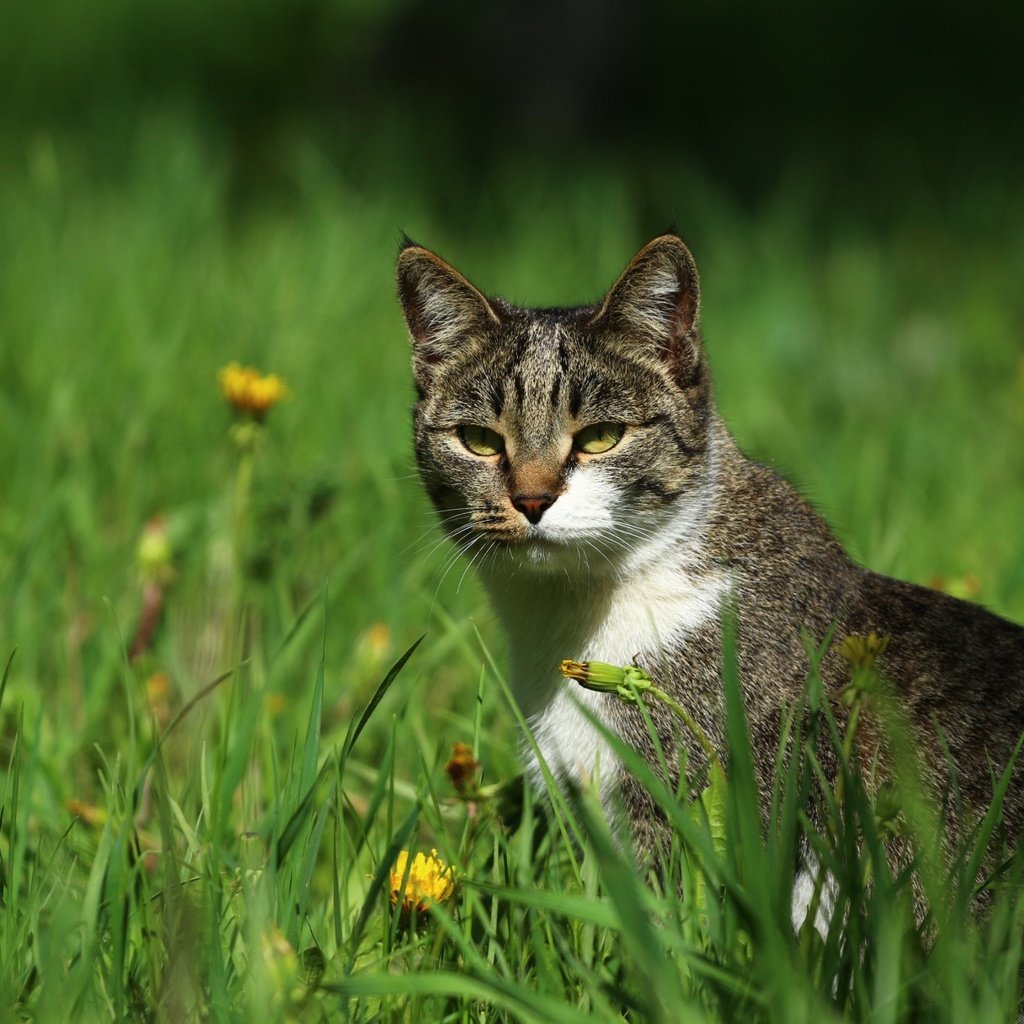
<point x="186" y="184"/>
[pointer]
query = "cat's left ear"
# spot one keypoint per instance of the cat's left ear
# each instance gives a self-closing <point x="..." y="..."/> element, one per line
<point x="441" y="308"/>
<point x="657" y="297"/>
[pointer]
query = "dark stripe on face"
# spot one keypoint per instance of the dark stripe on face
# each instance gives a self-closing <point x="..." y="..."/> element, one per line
<point x="556" y="390"/>
<point x="498" y="397"/>
<point x="563" y="353"/>
<point x="575" y="398"/>
<point x="686" y="449"/>
<point x="653" y="487"/>
<point x="520" y="386"/>
<point x="665" y="422"/>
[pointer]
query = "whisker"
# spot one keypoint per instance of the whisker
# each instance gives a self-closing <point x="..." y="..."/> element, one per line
<point x="451" y="561"/>
<point x="455" y="536"/>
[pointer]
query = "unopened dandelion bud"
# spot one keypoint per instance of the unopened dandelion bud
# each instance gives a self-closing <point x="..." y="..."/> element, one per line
<point x="154" y="552"/>
<point x="605" y="678"/>
<point x="462" y="769"/>
<point x="252" y="852"/>
<point x="887" y="801"/>
<point x="888" y="807"/>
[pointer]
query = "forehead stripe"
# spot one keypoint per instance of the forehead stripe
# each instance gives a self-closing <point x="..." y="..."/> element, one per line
<point x="563" y="353"/>
<point x="520" y="387"/>
<point x="498" y="397"/>
<point x="575" y="397"/>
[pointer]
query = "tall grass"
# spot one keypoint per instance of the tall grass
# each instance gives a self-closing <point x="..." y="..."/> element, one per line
<point x="206" y="830"/>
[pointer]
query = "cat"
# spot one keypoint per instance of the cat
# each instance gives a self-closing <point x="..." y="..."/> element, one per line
<point x="576" y="457"/>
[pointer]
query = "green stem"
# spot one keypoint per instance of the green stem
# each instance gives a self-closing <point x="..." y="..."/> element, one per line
<point x="243" y="492"/>
<point x="851" y="729"/>
<point x="688" y="720"/>
<point x="246" y="437"/>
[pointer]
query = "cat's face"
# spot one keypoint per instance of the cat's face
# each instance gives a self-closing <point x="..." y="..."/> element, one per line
<point x="561" y="440"/>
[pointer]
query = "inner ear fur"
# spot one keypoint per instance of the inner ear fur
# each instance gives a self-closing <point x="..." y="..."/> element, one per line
<point x="658" y="297"/>
<point x="439" y="304"/>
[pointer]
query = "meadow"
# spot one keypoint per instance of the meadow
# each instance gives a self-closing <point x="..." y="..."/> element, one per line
<point x="236" y="668"/>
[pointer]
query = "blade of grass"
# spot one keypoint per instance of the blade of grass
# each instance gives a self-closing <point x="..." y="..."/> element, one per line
<point x="311" y="747"/>
<point x="354" y="730"/>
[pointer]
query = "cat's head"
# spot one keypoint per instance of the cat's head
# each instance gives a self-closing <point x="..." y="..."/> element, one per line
<point x="572" y="440"/>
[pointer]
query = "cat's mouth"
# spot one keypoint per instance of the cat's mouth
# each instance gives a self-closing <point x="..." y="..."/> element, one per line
<point x="537" y="546"/>
<point x="527" y="541"/>
<point x="543" y="553"/>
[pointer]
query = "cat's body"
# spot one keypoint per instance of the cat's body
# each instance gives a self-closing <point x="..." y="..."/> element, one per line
<point x="577" y="458"/>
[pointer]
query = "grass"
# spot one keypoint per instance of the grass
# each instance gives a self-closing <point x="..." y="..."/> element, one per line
<point x="201" y="831"/>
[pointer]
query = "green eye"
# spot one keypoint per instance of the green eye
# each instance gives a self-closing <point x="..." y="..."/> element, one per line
<point x="481" y="440"/>
<point x="598" y="438"/>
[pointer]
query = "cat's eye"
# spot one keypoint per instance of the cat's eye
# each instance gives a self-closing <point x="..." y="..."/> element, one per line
<point x="481" y="440"/>
<point x="598" y="438"/>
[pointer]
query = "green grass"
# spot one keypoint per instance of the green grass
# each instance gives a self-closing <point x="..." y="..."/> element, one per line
<point x="880" y="369"/>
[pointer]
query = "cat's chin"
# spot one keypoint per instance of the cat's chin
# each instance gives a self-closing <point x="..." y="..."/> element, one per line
<point x="547" y="557"/>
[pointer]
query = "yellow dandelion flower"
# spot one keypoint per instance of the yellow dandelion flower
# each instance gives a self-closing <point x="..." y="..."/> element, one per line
<point x="863" y="651"/>
<point x="430" y="881"/>
<point x="249" y="391"/>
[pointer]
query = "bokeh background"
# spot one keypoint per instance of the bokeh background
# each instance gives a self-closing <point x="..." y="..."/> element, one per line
<point x="186" y="184"/>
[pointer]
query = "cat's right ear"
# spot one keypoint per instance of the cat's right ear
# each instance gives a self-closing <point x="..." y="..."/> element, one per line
<point x="441" y="308"/>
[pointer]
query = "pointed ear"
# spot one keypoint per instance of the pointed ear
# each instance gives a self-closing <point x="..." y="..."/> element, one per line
<point x="657" y="297"/>
<point x="440" y="307"/>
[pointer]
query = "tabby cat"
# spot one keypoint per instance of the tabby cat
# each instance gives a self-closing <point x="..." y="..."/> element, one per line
<point x="576" y="457"/>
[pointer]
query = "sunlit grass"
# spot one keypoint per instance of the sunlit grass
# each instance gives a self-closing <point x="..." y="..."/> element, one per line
<point x="201" y="819"/>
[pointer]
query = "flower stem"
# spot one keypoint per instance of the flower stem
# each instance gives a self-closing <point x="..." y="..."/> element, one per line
<point x="240" y="523"/>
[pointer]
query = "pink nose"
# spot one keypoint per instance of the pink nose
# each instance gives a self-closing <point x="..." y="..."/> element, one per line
<point x="533" y="506"/>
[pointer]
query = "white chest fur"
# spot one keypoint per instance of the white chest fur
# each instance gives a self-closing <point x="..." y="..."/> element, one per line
<point x="607" y="620"/>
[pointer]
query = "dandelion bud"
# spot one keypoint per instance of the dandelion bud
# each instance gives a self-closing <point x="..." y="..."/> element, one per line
<point x="888" y="805"/>
<point x="153" y="554"/>
<point x="252" y="851"/>
<point x="605" y="678"/>
<point x="462" y="769"/>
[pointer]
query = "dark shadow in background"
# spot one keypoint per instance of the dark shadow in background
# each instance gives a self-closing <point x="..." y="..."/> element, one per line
<point x="880" y="97"/>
